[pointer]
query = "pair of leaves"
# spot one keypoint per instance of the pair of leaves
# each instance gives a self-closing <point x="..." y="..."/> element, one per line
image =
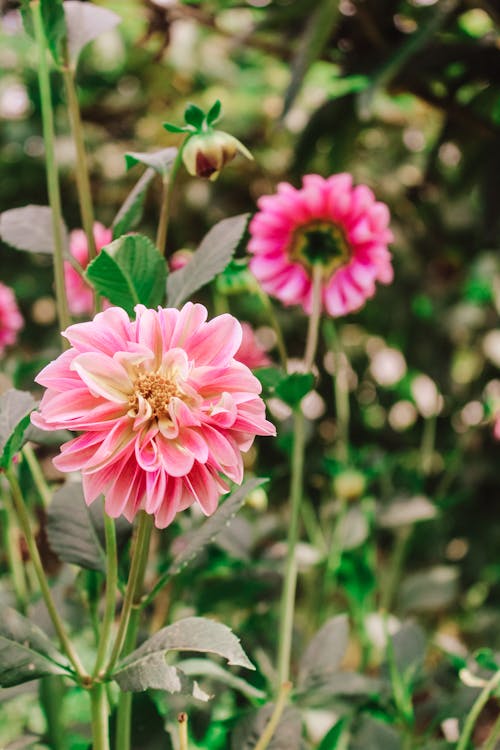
<point x="147" y="668"/>
<point x="15" y="409"/>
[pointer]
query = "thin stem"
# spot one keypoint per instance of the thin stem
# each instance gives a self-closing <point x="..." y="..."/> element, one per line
<point x="81" y="171"/>
<point x="111" y="587"/>
<point x="314" y="318"/>
<point x="51" y="692"/>
<point x="51" y="164"/>
<point x="477" y="707"/>
<point x="396" y="566"/>
<point x="280" y="341"/>
<point x="427" y="444"/>
<point x="24" y="522"/>
<point x="341" y="392"/>
<point x="273" y="722"/>
<point x="14" y="558"/>
<point x="37" y="474"/>
<point x="124" y="712"/>
<point x="166" y="202"/>
<point x="493" y="738"/>
<point x="134" y="585"/>
<point x="100" y="714"/>
<point x="182" y="720"/>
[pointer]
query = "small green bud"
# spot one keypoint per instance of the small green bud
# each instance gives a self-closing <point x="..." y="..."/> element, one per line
<point x="206" y="153"/>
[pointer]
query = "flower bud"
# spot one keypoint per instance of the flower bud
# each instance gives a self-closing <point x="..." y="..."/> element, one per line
<point x="179" y="259"/>
<point x="205" y="154"/>
<point x="349" y="484"/>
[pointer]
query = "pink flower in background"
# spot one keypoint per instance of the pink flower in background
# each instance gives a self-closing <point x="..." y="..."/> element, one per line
<point x="496" y="426"/>
<point x="327" y="222"/>
<point x="80" y="297"/>
<point x="251" y="352"/>
<point x="164" y="409"/>
<point x="11" y="320"/>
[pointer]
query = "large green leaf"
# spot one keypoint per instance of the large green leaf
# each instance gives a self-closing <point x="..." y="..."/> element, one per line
<point x="15" y="409"/>
<point x="25" y="651"/>
<point x="292" y="388"/>
<point x="30" y="228"/>
<point x="131" y="211"/>
<point x="211" y="257"/>
<point x="85" y="22"/>
<point x="146" y="666"/>
<point x="161" y="161"/>
<point x="129" y="271"/>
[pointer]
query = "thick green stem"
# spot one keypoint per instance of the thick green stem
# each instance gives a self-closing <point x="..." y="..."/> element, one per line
<point x="81" y="171"/>
<point x="273" y="722"/>
<point x="475" y="712"/>
<point x="124" y="712"/>
<point x="111" y="587"/>
<point x="51" y="692"/>
<point x="166" y="203"/>
<point x="51" y="164"/>
<point x="43" y="488"/>
<point x="100" y="714"/>
<point x="11" y="546"/>
<point x="24" y="522"/>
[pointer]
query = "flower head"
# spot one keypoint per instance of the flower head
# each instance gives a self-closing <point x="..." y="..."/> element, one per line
<point x="11" y="320"/>
<point x="206" y="153"/>
<point x="251" y="352"/>
<point x="164" y="409"/>
<point x="327" y="222"/>
<point x="80" y="296"/>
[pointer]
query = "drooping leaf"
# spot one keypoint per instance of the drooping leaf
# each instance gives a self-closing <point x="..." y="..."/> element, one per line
<point x="212" y="256"/>
<point x="54" y="26"/>
<point x="30" y="229"/>
<point x="210" y="528"/>
<point x="160" y="161"/>
<point x="85" y="22"/>
<point x="25" y="651"/>
<point x="292" y="388"/>
<point x="15" y="409"/>
<point x="129" y="271"/>
<point x="153" y="673"/>
<point x="207" y="668"/>
<point x="286" y="737"/>
<point x="131" y="211"/>
<point x="146" y="666"/>
<point x="325" y="652"/>
<point x="76" y="531"/>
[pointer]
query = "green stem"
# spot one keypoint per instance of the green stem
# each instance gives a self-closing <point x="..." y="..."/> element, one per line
<point x="280" y="341"/>
<point x="81" y="171"/>
<point x="111" y="587"/>
<point x="100" y="717"/>
<point x="37" y="474"/>
<point x="341" y="392"/>
<point x="134" y="586"/>
<point x="124" y="712"/>
<point x="24" y="522"/>
<point x="166" y="201"/>
<point x="396" y="566"/>
<point x="477" y="707"/>
<point x="52" y="172"/>
<point x="273" y="722"/>
<point x="51" y="692"/>
<point x="427" y="444"/>
<point x="11" y="546"/>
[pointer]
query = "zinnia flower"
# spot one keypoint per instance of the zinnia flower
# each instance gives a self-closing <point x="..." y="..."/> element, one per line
<point x="11" y="320"/>
<point x="80" y="296"/>
<point x="164" y="408"/>
<point x="327" y="222"/>
<point x="251" y="352"/>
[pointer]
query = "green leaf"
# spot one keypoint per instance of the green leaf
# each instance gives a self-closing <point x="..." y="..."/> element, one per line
<point x="206" y="668"/>
<point x="210" y="528"/>
<point x="15" y="409"/>
<point x="54" y="26"/>
<point x="194" y="116"/>
<point x="432" y="590"/>
<point x="129" y="271"/>
<point x="131" y="211"/>
<point x="287" y="735"/>
<point x="171" y="128"/>
<point x="294" y="387"/>
<point x="214" y="112"/>
<point x="212" y="256"/>
<point x="374" y="735"/>
<point x="160" y="161"/>
<point x="269" y="377"/>
<point x="30" y="229"/>
<point x="85" y="22"/>
<point x="146" y="666"/>
<point x="25" y="651"/>
<point x="27" y="18"/>
<point x="332" y="738"/>
<point x="324" y="653"/>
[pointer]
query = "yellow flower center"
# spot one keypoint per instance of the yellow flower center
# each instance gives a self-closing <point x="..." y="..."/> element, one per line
<point x="157" y="390"/>
<point x="322" y="243"/>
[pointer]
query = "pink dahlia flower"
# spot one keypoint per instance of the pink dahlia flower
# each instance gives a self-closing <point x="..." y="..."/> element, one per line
<point x="496" y="426"/>
<point x="80" y="296"/>
<point x="163" y="407"/>
<point x="251" y="353"/>
<point x="327" y="222"/>
<point x="11" y="320"/>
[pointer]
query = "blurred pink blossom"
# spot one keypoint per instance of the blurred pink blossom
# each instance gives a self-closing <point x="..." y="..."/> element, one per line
<point x="251" y="352"/>
<point x="11" y="320"/>
<point x="80" y="297"/>
<point x="164" y="407"/>
<point x="327" y="222"/>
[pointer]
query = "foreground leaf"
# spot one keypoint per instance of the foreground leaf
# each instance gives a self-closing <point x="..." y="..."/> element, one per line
<point x="212" y="256"/>
<point x="25" y="651"/>
<point x="286" y="737"/>
<point x="85" y="22"/>
<point x="325" y="652"/>
<point x="129" y="271"/>
<point x="15" y="409"/>
<point x="161" y="161"/>
<point x="153" y="673"/>
<point x="30" y="229"/>
<point x="131" y="211"/>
